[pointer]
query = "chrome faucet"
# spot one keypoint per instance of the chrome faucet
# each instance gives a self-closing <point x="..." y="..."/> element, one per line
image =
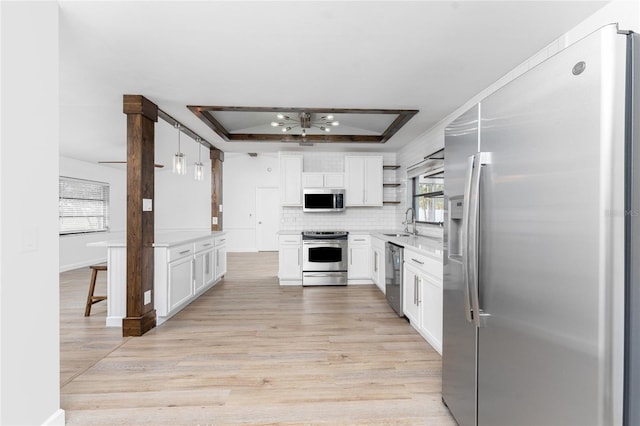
<point x="413" y="221"/>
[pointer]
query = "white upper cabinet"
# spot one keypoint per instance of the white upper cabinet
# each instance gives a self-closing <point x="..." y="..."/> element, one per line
<point x="323" y="180"/>
<point x="291" y="180"/>
<point x="363" y="180"/>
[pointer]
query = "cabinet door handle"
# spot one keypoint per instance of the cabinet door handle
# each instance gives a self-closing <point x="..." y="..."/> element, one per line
<point x="350" y="256"/>
<point x="206" y="264"/>
<point x="415" y="290"/>
<point x="417" y="261"/>
<point x="206" y="245"/>
<point x="299" y="252"/>
<point x="184" y="252"/>
<point x="375" y="261"/>
<point x="359" y="239"/>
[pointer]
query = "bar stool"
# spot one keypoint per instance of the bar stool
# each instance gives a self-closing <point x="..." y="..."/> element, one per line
<point x="91" y="299"/>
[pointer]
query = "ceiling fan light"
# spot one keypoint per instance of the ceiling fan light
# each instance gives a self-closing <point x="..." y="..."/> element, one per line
<point x="327" y="129"/>
<point x="335" y="123"/>
<point x="275" y="124"/>
<point x="280" y="116"/>
<point x="329" y="117"/>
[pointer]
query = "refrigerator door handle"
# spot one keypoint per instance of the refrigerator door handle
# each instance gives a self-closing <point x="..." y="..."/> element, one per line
<point x="479" y="160"/>
<point x="465" y="237"/>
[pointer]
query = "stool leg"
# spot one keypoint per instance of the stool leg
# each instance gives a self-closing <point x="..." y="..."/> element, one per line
<point x="92" y="287"/>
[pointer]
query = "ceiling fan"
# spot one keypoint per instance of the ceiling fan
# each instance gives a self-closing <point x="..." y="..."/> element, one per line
<point x="158" y="166"/>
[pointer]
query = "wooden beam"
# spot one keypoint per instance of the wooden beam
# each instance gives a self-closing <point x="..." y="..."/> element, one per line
<point x="217" y="158"/>
<point x="141" y="117"/>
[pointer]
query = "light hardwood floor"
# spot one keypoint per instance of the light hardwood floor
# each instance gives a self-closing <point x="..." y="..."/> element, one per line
<point x="250" y="352"/>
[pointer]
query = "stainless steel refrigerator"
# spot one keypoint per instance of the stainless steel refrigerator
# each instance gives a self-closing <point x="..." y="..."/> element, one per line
<point x="542" y="259"/>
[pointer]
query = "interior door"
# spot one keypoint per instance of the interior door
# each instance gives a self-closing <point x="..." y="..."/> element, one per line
<point x="267" y="218"/>
<point x="550" y="214"/>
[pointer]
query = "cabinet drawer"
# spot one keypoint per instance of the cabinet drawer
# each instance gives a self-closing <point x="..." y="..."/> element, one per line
<point x="219" y="240"/>
<point x="204" y="244"/>
<point x="180" y="251"/>
<point x="423" y="262"/>
<point x="359" y="239"/>
<point x="290" y="239"/>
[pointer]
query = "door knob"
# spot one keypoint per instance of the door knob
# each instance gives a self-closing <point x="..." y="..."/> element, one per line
<point x="259" y="223"/>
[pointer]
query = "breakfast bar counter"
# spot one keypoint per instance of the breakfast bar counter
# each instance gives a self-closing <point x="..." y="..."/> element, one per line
<point x="186" y="264"/>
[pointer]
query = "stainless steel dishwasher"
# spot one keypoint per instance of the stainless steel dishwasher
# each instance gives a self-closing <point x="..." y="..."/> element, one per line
<point x="394" y="258"/>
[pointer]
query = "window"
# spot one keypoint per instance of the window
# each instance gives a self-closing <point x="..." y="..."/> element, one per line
<point x="83" y="206"/>
<point x="428" y="198"/>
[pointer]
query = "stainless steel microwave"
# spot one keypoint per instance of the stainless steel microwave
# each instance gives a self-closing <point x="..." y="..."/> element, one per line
<point x="322" y="200"/>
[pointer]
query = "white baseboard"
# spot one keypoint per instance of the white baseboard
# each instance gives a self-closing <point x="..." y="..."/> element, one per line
<point x="114" y="322"/>
<point x="69" y="267"/>
<point x="56" y="419"/>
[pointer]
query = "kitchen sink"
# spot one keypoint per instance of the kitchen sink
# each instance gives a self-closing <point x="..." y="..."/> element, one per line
<point x="396" y="235"/>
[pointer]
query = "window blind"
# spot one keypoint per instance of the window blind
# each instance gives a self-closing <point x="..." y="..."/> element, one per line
<point x="83" y="206"/>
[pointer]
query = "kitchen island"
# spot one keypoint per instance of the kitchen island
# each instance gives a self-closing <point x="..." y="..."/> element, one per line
<point x="186" y="264"/>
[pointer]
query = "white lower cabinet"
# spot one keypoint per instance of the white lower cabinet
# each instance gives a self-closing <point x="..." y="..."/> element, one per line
<point x="203" y="269"/>
<point x="359" y="267"/>
<point x="182" y="272"/>
<point x="378" y="263"/>
<point x="431" y="311"/>
<point x="422" y="296"/>
<point x="180" y="281"/>
<point x="220" y="257"/>
<point x="290" y="259"/>
<point x="411" y="297"/>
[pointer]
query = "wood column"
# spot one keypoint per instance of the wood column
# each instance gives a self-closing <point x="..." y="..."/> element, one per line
<point x="142" y="115"/>
<point x="217" y="158"/>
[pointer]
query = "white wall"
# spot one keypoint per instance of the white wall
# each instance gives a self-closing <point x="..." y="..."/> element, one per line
<point x="242" y="174"/>
<point x="180" y="201"/>
<point x="74" y="252"/>
<point x="626" y="13"/>
<point x="29" y="305"/>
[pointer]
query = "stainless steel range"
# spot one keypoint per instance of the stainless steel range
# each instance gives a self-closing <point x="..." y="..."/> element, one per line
<point x="324" y="258"/>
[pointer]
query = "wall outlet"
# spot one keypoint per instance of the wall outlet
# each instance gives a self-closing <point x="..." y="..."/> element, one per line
<point x="147" y="205"/>
<point x="214" y="220"/>
<point x="147" y="297"/>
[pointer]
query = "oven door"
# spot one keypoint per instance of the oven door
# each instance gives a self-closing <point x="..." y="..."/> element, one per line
<point x="324" y="255"/>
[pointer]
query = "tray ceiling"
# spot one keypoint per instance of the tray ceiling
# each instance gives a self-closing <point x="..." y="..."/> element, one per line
<point x="255" y="123"/>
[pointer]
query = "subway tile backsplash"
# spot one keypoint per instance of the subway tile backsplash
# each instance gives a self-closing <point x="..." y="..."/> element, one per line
<point x="352" y="219"/>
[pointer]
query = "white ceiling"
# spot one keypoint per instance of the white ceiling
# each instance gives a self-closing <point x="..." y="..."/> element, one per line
<point x="425" y="55"/>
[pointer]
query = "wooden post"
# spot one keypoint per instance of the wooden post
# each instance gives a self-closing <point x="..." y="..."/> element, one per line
<point x="217" y="158"/>
<point x="142" y="115"/>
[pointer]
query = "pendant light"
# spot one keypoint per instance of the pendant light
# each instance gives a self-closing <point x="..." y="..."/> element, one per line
<point x="179" y="159"/>
<point x="198" y="169"/>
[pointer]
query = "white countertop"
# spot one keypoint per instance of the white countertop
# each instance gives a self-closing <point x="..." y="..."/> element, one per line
<point x="162" y="238"/>
<point x="430" y="246"/>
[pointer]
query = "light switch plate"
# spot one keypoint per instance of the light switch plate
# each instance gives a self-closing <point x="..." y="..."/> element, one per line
<point x="147" y="297"/>
<point x="220" y="208"/>
<point x="147" y="205"/>
<point x="214" y="220"/>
